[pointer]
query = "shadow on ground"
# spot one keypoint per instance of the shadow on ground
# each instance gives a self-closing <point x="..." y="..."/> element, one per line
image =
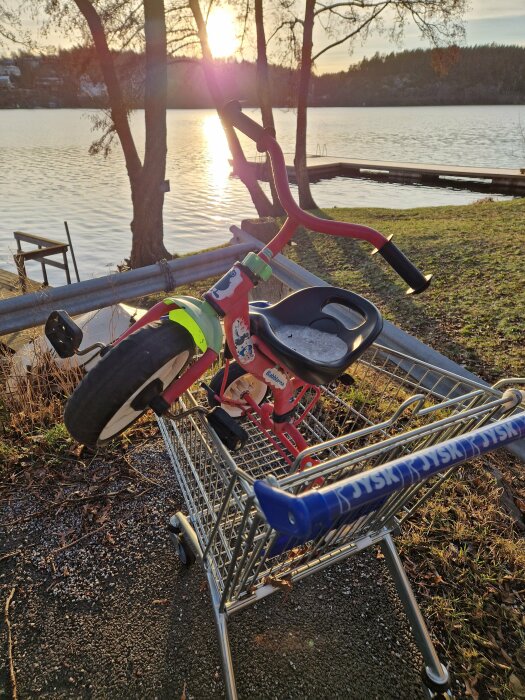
<point x="117" y="616"/>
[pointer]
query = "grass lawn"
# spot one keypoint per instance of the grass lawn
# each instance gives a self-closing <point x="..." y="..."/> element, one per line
<point x="474" y="309"/>
<point x="464" y="552"/>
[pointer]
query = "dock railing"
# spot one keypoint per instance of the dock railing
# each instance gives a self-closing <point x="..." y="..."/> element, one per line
<point x="45" y="248"/>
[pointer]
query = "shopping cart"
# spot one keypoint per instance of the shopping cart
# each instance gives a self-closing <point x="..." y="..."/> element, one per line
<point x="384" y="439"/>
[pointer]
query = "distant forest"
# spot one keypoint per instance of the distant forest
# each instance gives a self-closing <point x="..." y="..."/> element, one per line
<point x="477" y="75"/>
<point x="456" y="76"/>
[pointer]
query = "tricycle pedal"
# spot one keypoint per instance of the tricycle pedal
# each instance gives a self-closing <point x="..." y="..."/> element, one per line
<point x="346" y="380"/>
<point x="63" y="333"/>
<point x="231" y="434"/>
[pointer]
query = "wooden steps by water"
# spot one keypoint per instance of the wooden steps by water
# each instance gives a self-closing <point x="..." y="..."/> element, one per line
<point x="497" y="180"/>
<point x="12" y="284"/>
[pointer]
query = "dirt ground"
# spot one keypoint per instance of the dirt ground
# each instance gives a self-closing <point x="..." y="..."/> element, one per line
<point x="116" y="615"/>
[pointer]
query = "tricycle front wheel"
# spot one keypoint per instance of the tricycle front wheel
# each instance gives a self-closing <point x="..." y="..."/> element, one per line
<point x="120" y="386"/>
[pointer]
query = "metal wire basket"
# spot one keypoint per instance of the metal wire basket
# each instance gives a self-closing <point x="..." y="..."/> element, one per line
<point x="394" y="406"/>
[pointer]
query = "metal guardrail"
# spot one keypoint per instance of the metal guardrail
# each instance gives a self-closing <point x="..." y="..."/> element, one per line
<point x="29" y="310"/>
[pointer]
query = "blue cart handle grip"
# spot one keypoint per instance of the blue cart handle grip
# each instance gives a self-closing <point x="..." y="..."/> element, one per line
<point x="313" y="512"/>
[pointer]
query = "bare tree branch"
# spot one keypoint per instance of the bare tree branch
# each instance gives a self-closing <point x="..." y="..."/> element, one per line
<point x="116" y="98"/>
<point x="358" y="30"/>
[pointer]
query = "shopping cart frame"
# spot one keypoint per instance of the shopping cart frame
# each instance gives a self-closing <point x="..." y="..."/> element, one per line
<point x="240" y="507"/>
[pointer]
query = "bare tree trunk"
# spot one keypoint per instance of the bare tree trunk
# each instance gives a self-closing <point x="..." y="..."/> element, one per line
<point x="241" y="167"/>
<point x="305" y="196"/>
<point x="146" y="181"/>
<point x="263" y="91"/>
<point x="148" y="189"/>
<point x="119" y="114"/>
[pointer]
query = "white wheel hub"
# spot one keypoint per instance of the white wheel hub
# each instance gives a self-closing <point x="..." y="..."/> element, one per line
<point x="126" y="414"/>
<point x="246" y="384"/>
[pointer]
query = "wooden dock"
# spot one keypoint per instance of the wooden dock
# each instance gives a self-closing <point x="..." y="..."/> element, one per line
<point x="496" y="180"/>
<point x="10" y="287"/>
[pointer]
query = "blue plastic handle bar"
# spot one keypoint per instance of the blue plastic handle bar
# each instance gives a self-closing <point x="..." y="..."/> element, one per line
<point x="306" y="516"/>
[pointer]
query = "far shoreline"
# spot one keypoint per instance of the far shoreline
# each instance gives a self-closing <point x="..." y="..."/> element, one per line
<point x="278" y="107"/>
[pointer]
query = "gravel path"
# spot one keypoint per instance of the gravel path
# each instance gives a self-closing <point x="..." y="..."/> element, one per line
<point x="117" y="616"/>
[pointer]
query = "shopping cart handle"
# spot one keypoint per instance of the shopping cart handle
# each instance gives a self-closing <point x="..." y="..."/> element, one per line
<point x="307" y="516"/>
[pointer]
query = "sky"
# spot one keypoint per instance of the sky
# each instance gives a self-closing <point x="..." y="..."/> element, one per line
<point x="487" y="21"/>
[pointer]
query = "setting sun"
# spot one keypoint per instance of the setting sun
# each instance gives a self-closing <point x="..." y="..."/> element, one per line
<point x="222" y="36"/>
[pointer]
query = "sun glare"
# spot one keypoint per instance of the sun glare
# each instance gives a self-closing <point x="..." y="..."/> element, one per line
<point x="218" y="154"/>
<point x="221" y="33"/>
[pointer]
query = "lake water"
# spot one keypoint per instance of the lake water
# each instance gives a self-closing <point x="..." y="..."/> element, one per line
<point x="47" y="176"/>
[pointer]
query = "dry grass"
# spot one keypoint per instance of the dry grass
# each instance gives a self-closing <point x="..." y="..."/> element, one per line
<point x="466" y="559"/>
<point x="35" y="446"/>
<point x="31" y="408"/>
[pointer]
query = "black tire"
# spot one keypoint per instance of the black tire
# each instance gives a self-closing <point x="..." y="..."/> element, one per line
<point x="235" y="372"/>
<point x="133" y="372"/>
<point x="184" y="551"/>
<point x="186" y="554"/>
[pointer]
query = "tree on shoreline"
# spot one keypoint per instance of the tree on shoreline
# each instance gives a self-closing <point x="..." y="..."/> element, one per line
<point x="147" y="178"/>
<point x="439" y="21"/>
<point x="144" y="24"/>
<point x="264" y="92"/>
<point x="241" y="166"/>
<point x="11" y="28"/>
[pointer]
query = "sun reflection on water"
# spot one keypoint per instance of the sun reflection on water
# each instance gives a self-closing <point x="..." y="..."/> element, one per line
<point x="218" y="154"/>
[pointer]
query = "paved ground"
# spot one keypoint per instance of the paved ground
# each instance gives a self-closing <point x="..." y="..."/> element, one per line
<point x="117" y="616"/>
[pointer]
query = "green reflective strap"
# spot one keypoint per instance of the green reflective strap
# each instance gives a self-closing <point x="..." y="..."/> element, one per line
<point x="183" y="318"/>
<point x="257" y="265"/>
<point x="200" y="319"/>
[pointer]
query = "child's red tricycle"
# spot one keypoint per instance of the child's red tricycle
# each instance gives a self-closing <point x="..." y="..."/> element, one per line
<point x="282" y="350"/>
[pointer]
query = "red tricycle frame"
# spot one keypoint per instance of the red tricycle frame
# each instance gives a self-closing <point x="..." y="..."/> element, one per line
<point x="229" y="299"/>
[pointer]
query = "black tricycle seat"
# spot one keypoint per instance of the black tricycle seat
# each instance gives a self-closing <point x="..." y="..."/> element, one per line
<point x="311" y="341"/>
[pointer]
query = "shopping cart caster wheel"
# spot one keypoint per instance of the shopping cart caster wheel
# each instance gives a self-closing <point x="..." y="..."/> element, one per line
<point x="230" y="433"/>
<point x="184" y="537"/>
<point x="186" y="554"/>
<point x="436" y="690"/>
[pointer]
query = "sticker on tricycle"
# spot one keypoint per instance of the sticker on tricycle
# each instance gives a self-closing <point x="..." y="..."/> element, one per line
<point x="274" y="377"/>
<point x="243" y="344"/>
<point x="227" y="285"/>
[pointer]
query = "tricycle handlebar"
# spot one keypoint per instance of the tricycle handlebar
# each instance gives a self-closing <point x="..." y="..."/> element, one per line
<point x="233" y="114"/>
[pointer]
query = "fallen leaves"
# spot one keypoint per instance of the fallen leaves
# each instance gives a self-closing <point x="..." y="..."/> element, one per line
<point x="517" y="686"/>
